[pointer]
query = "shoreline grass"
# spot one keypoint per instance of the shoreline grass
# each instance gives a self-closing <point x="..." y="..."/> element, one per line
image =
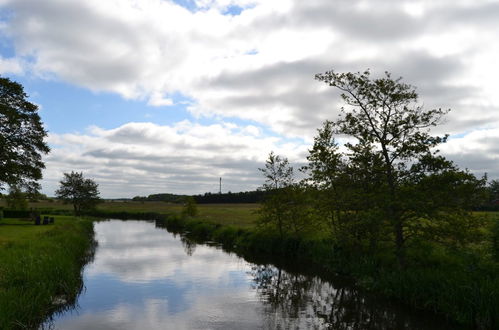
<point x="40" y="268"/>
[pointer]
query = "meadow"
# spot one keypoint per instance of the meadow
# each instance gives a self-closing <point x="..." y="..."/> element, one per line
<point x="237" y="215"/>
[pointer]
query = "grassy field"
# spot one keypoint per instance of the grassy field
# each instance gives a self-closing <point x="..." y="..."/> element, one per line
<point x="237" y="215"/>
<point x="39" y="265"/>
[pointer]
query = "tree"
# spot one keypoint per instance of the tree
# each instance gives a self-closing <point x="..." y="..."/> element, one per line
<point x="346" y="187"/>
<point x="326" y="176"/>
<point x="387" y="122"/>
<point x="75" y="189"/>
<point x="21" y="139"/>
<point x="190" y="207"/>
<point x="278" y="177"/>
<point x="16" y="199"/>
<point x="277" y="172"/>
<point x="285" y="206"/>
<point x="493" y="187"/>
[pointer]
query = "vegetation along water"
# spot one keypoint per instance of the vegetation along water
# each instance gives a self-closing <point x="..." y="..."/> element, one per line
<point x="40" y="268"/>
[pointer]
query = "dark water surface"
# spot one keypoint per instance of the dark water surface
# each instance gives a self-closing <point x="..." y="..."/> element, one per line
<point x="144" y="278"/>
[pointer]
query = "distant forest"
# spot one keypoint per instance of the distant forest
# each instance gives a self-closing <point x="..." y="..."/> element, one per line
<point x="208" y="198"/>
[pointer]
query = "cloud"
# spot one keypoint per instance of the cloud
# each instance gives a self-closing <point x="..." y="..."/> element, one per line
<point x="10" y="66"/>
<point x="259" y="65"/>
<point x="256" y="65"/>
<point x="181" y="158"/>
<point x="477" y="151"/>
<point x="159" y="100"/>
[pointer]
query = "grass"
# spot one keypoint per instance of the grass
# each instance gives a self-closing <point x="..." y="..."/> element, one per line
<point x="237" y="215"/>
<point x="38" y="265"/>
<point x="15" y="230"/>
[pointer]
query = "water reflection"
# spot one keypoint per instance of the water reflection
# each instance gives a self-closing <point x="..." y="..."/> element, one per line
<point x="143" y="277"/>
<point x="189" y="246"/>
<point x="294" y="301"/>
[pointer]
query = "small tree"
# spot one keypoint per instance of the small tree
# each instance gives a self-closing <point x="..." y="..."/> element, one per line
<point x="283" y="206"/>
<point x="75" y="189"/>
<point x="190" y="207"/>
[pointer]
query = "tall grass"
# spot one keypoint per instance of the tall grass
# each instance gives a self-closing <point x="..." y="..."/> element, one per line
<point x="41" y="269"/>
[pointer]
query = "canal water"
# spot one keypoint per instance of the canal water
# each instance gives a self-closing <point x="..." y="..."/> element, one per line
<point x="143" y="277"/>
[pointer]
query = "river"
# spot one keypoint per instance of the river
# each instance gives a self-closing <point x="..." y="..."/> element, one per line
<point x="143" y="277"/>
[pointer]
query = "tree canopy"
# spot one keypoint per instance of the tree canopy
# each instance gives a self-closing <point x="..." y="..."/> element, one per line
<point x="390" y="171"/>
<point x="21" y="138"/>
<point x="82" y="193"/>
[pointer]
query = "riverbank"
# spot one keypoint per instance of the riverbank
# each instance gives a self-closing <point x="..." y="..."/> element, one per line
<point x="461" y="287"/>
<point x="458" y="283"/>
<point x="40" y="268"/>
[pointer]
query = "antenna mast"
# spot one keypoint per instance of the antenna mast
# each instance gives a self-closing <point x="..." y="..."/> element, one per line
<point x="220" y="191"/>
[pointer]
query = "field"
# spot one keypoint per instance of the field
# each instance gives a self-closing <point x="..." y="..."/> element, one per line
<point x="237" y="215"/>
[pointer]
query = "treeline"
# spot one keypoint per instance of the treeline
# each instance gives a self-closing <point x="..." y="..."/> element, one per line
<point x="208" y="198"/>
<point x="240" y="197"/>
<point x="169" y="198"/>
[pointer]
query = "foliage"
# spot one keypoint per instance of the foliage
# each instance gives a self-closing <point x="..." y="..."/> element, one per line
<point x="495" y="240"/>
<point x="391" y="167"/>
<point x="285" y="206"/>
<point x="277" y="172"/>
<point x="190" y="207"/>
<point x="21" y="138"/>
<point x="457" y="284"/>
<point x="82" y="193"/>
<point x="16" y="199"/>
<point x="493" y="187"/>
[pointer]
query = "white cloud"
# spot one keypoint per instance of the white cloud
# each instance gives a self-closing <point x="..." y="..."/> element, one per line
<point x="256" y="66"/>
<point x="10" y="66"/>
<point x="181" y="158"/>
<point x="148" y="49"/>
<point x="159" y="100"/>
<point x="477" y="151"/>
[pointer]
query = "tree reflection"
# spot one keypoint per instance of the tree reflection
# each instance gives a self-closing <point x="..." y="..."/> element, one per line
<point x="302" y="302"/>
<point x="189" y="245"/>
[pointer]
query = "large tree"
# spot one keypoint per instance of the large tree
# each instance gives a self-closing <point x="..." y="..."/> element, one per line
<point x="386" y="121"/>
<point x="75" y="189"/>
<point x="21" y="138"/>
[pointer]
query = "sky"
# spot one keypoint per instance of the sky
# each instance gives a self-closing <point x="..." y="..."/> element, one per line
<point x="153" y="96"/>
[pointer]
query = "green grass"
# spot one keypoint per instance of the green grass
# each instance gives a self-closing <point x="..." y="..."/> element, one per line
<point x="39" y="264"/>
<point x="237" y="215"/>
<point x="15" y="230"/>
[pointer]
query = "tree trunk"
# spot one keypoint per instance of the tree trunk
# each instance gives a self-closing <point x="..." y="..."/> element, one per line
<point x="392" y="214"/>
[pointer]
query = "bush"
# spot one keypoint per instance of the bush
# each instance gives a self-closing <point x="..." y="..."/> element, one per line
<point x="17" y="213"/>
